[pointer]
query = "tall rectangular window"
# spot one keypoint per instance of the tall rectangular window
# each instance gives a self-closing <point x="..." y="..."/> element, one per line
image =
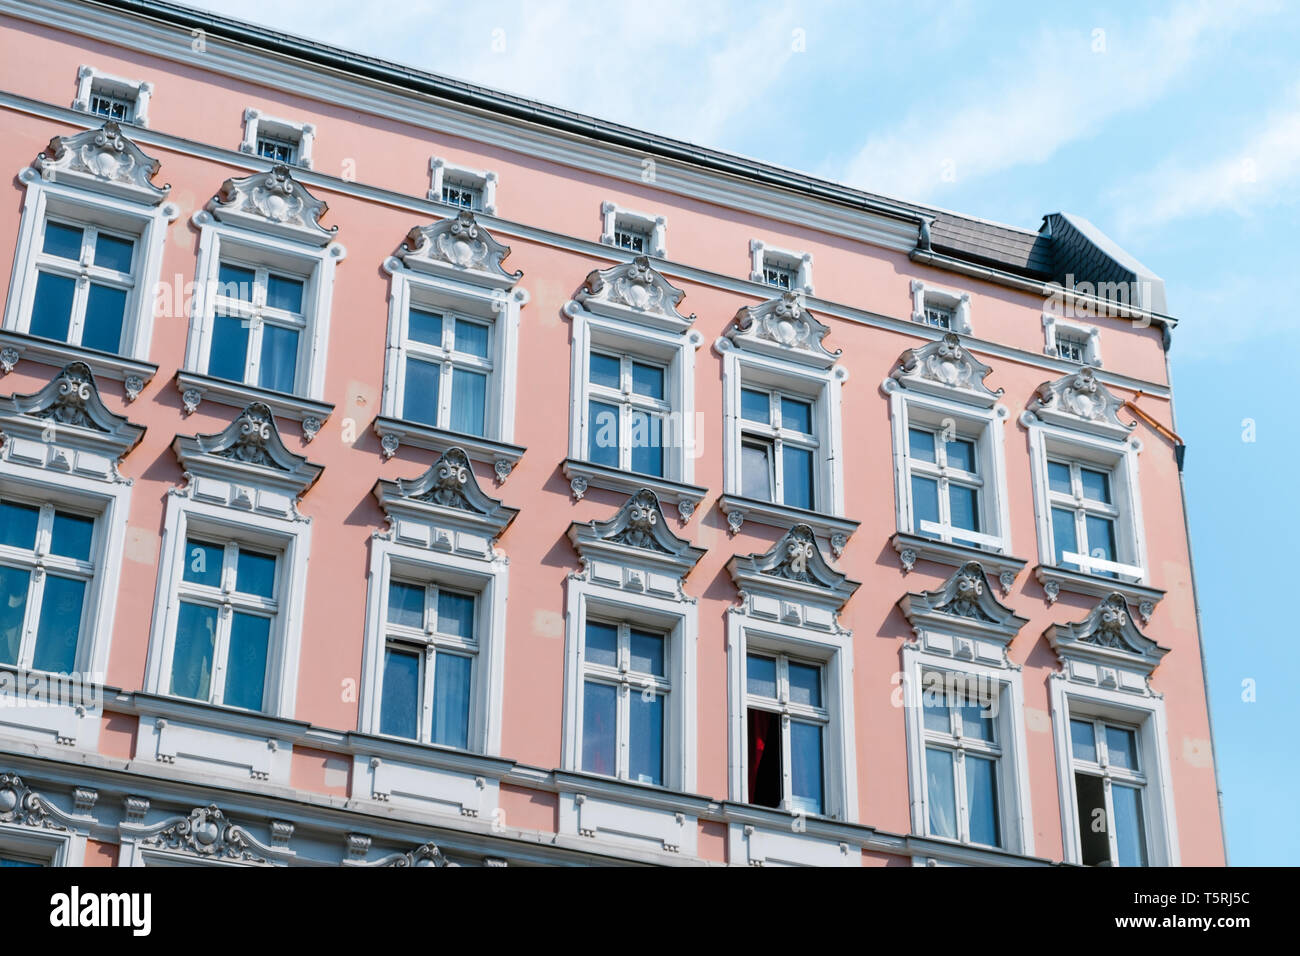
<point x="962" y="755"/>
<point x="85" y="281"/>
<point x="787" y="722"/>
<point x="627" y="407"/>
<point x="1110" y="792"/>
<point x="226" y="620"/>
<point x="47" y="565"/>
<point x="258" y="325"/>
<point x="778" y="448"/>
<point x="945" y="483"/>
<point x="1084" y="517"/>
<point x="625" y="687"/>
<point x="446" y="369"/>
<point x="430" y="652"/>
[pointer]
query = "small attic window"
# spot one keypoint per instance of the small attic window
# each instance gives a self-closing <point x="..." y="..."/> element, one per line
<point x="112" y="97"/>
<point x="278" y="140"/>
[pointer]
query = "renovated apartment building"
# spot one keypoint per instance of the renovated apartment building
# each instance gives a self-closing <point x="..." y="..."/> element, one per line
<point x="457" y="480"/>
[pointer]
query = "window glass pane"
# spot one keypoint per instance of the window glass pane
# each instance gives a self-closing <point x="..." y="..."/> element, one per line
<point x="760" y="676"/>
<point x="105" y="309"/>
<point x="1058" y="477"/>
<point x="1064" y="537"/>
<point x="196" y="639"/>
<point x="920" y="445"/>
<point x="941" y="793"/>
<point x="755" y="406"/>
<point x="1094" y="840"/>
<point x="796" y="415"/>
<point x="1121" y="748"/>
<point x="62" y="241"/>
<point x="599" y="706"/>
<point x="764" y="757"/>
<point x="468" y="401"/>
<point x="605" y="370"/>
<point x="1101" y="539"/>
<point x="203" y="563"/>
<point x="60" y="624"/>
<point x="1130" y="828"/>
<point x="925" y="504"/>
<point x="977" y="721"/>
<point x="648" y="380"/>
<point x="284" y="293"/>
<point x="400" y="700"/>
<point x="961" y="455"/>
<point x="113" y="253"/>
<point x="424" y="327"/>
<point x="934" y="707"/>
<point x="229" y="356"/>
<point x="805" y="767"/>
<point x="471" y="338"/>
<point x="420" y="392"/>
<point x="602" y="434"/>
<point x="13" y="606"/>
<point x="9" y="862"/>
<point x="18" y="525"/>
<point x="646" y="738"/>
<point x="71" y="536"/>
<point x="647" y="652"/>
<point x="805" y="684"/>
<point x="406" y="604"/>
<point x="756" y="471"/>
<point x="279" y="364"/>
<point x="52" y="306"/>
<point x="797" y="477"/>
<point x="964" y="505"/>
<point x="235" y="282"/>
<point x="647" y="443"/>
<point x="982" y="801"/>
<point x="456" y="614"/>
<point x="1083" y="741"/>
<point x="1096" y="485"/>
<point x="602" y="644"/>
<point x="255" y="573"/>
<point x="451" y="674"/>
<point x="250" y="638"/>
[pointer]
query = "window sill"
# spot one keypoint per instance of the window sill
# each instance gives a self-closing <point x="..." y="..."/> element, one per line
<point x="584" y="474"/>
<point x="134" y="375"/>
<point x="738" y="509"/>
<point x="194" y="388"/>
<point x="1055" y="580"/>
<point x="912" y="548"/>
<point x="394" y="432"/>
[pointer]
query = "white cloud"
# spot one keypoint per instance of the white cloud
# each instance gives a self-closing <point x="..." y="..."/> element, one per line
<point x="1058" y="91"/>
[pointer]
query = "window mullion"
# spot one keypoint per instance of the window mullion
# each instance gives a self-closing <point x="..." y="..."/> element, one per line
<point x="428" y="666"/>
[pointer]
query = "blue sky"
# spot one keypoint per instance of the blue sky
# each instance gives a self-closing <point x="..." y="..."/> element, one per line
<point x="1174" y="127"/>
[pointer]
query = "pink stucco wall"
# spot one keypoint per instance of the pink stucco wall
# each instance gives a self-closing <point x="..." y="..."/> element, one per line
<point x="188" y="103"/>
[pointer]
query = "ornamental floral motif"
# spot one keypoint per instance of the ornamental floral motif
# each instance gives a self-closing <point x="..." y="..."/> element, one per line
<point x="209" y="833"/>
<point x="20" y="804"/>
<point x="1079" y="395"/>
<point x="968" y="589"/>
<point x="947" y="363"/>
<point x="104" y="154"/>
<point x="785" y="322"/>
<point x="633" y="285"/>
<point x="796" y="554"/>
<point x="461" y="242"/>
<point x="74" y="391"/>
<point x="426" y="855"/>
<point x="253" y="431"/>
<point x="451" y="474"/>
<point x="275" y="197"/>
<point x="642" y="512"/>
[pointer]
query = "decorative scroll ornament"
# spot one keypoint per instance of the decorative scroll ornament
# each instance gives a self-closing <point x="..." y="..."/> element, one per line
<point x="21" y="805"/>
<point x="426" y="855"/>
<point x="103" y="157"/>
<point x="969" y="586"/>
<point x="1079" y="399"/>
<point x="795" y="555"/>
<point x="786" y="327"/>
<point x="253" y="433"/>
<point x="944" y="367"/>
<point x="633" y="289"/>
<point x="459" y="242"/>
<point x="451" y="473"/>
<point x="273" y="198"/>
<point x="207" y="832"/>
<point x="642" y="515"/>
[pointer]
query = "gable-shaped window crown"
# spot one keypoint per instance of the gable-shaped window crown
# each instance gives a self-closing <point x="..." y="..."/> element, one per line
<point x="112" y="97"/>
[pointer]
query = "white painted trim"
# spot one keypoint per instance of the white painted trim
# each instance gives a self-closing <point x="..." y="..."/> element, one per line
<point x="50" y="847"/>
<point x="924" y="293"/>
<point x="291" y="537"/>
<point x="1053" y="323"/>
<point x="655" y="227"/>
<point x="800" y="263"/>
<point x="257" y="123"/>
<point x="137" y="90"/>
<point x="1148" y="713"/>
<point x="485" y="180"/>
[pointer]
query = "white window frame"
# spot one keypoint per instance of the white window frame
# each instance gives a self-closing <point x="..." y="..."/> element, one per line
<point x="288" y="538"/>
<point x="301" y="135"/>
<point x="677" y="620"/>
<point x="1015" y="819"/>
<point x="314" y="265"/>
<point x="748" y="634"/>
<point x="1120" y="459"/>
<point x="775" y="435"/>
<point x="1089" y="335"/>
<point x="91" y="81"/>
<point x="488" y="580"/>
<point x="957" y="303"/>
<point x="1147" y="716"/>
<point x="798" y="264"/>
<point x="42" y="847"/>
<point x="442" y="174"/>
<point x="655" y="228"/>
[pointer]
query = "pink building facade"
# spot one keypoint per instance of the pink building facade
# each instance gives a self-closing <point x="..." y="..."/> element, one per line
<point x="402" y="472"/>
